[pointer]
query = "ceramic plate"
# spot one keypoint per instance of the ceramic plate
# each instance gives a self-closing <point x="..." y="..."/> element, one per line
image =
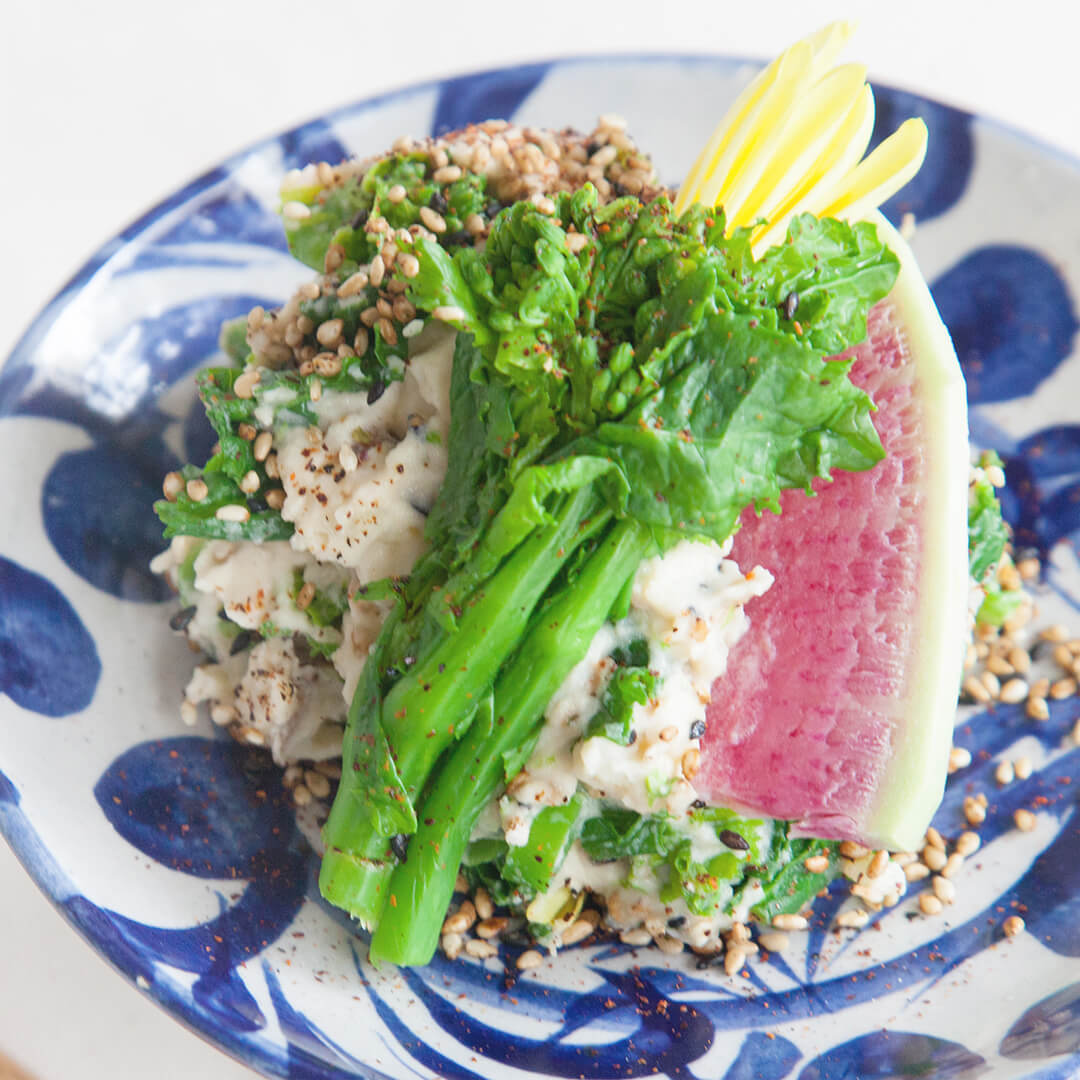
<point x="175" y="851"/>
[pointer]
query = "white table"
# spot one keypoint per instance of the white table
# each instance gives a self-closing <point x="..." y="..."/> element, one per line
<point x="107" y="107"/>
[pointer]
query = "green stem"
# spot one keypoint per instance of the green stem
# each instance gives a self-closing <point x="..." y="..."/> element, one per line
<point x="391" y="746"/>
<point x="421" y="887"/>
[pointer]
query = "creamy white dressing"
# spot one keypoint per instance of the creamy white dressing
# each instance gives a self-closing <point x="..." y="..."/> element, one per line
<point x="689" y="606"/>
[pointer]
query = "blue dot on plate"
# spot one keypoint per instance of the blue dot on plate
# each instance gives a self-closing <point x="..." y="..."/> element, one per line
<point x="49" y="663"/>
<point x="98" y="511"/>
<point x="763" y="1058"/>
<point x="883" y="1055"/>
<point x="1011" y="318"/>
<point x="1048" y="1028"/>
<point x="950" y="153"/>
<point x="490" y="95"/>
<point x="312" y="142"/>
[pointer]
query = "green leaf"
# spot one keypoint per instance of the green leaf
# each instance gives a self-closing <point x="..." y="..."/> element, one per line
<point x="628" y="686"/>
<point x="553" y="831"/>
<point x="987" y="532"/>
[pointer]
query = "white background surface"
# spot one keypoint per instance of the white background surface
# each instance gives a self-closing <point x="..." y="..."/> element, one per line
<point x="107" y="107"/>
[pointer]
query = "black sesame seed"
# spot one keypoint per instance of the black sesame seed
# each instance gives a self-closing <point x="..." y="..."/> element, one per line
<point x="492" y="208"/>
<point x="698" y="804"/>
<point x="359" y="219"/>
<point x="457" y="239"/>
<point x="730" y="838"/>
<point x="181" y="619"/>
<point x="791" y="305"/>
<point x="375" y="391"/>
<point x="438" y="203"/>
<point x="244" y="640"/>
<point x="697" y="729"/>
<point x="399" y="843"/>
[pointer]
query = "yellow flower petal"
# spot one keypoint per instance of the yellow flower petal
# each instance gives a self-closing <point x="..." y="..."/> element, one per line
<point x="792" y="143"/>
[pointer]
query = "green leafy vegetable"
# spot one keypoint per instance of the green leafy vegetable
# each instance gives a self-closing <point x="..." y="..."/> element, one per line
<point x="630" y="685"/>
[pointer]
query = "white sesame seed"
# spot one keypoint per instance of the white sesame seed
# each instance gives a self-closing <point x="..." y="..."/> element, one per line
<point x="377" y="271"/>
<point x="411" y="329"/>
<point x="295" y="211"/>
<point x="934" y="838"/>
<point x="196" y="489"/>
<point x="638" y="936"/>
<point x="347" y="458"/>
<point x="481" y="950"/>
<point x="317" y="784"/>
<point x="172" y="485"/>
<point x="934" y="857"/>
<point x="245" y="384"/>
<point x="1037" y="708"/>
<point x="1004" y="773"/>
<point x="353" y="284"/>
<point x="232" y="512"/>
<point x="916" y="871"/>
<point x="448" y="313"/>
<point x="189" y="712"/>
<point x="434" y="221"/>
<point x="786" y="921"/>
<point x="577" y="931"/>
<point x="261" y="447"/>
<point x="446" y="174"/>
<point x="959" y="758"/>
<point x="734" y="959"/>
<point x="409" y="265"/>
<point x="853" y="918"/>
<point x="275" y="499"/>
<point x="250" y="482"/>
<point x="452" y="945"/>
<point x="817" y="864"/>
<point x="396" y="194"/>
<point x="1063" y="688"/>
<point x="300" y="795"/>
<point x="773" y="941"/>
<point x="1056" y="633"/>
<point x="1014" y="691"/>
<point x="1024" y="820"/>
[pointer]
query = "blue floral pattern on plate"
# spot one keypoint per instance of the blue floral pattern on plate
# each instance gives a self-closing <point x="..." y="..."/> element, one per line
<point x="177" y="854"/>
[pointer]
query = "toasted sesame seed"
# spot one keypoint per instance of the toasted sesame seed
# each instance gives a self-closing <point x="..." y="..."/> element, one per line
<point x="853" y="918"/>
<point x="543" y="204"/>
<point x="382" y="306"/>
<point x="461" y="920"/>
<point x="347" y="458"/>
<point x="789" y="922"/>
<point x="1029" y="568"/>
<point x="377" y="271"/>
<point x="327" y="364"/>
<point x="934" y="857"/>
<point x="255" y="317"/>
<point x="369" y="317"/>
<point x="492" y="927"/>
<point x="1012" y="926"/>
<point x="475" y="225"/>
<point x="877" y="864"/>
<point x="361" y="341"/>
<point x="577" y="931"/>
<point x="481" y="950"/>
<point x="261" y="447"/>
<point x="1018" y="619"/>
<point x="1056" y="633"/>
<point x="317" y="784"/>
<point x="309" y="290"/>
<point x="739" y="933"/>
<point x="976" y="690"/>
<point x="934" y="838"/>
<point x="300" y="795"/>
<point x="189" y="712"/>
<point x="1014" y="691"/>
<point x="250" y="482"/>
<point x="1063" y="688"/>
<point x="330" y="769"/>
<point x="817" y="864"/>
<point x="929" y="904"/>
<point x="604" y="156"/>
<point x="850" y="850"/>
<point x="334" y="257"/>
<point x="432" y="220"/>
<point x="461" y="884"/>
<point x="482" y="902"/>
<point x="669" y="733"/>
<point x="397" y="193"/>
<point x="639" y="936"/>
<point x="402" y="310"/>
<point x="944" y="889"/>
<point x="352" y="285"/>
<point x="305" y="595"/>
<point x="1037" y="709"/>
<point x="452" y="944"/>
<point x="1024" y="820"/>
<point x="329" y="333"/>
<point x="967" y="843"/>
<point x="315" y="390"/>
<point x="387" y="331"/>
<point x="1004" y="773"/>
<point x="576" y="242"/>
<point x="959" y="758"/>
<point x="773" y="941"/>
<point x="409" y="265"/>
<point x="245" y="384"/>
<point x="446" y="174"/>
<point x="295" y="211"/>
<point x="671" y="946"/>
<point x="916" y="871"/>
<point x="247" y="431"/>
<point x="172" y="485"/>
<point x="974" y="811"/>
<point x="528" y="960"/>
<point x="232" y="512"/>
<point x="691" y="763"/>
<point x="998" y="665"/>
<point x="952" y="864"/>
<point x="1040" y="688"/>
<point x="275" y="498"/>
<point x="734" y="959"/>
<point x="1020" y="660"/>
<point x="904" y="858"/>
<point x="196" y="489"/>
<point x="992" y="684"/>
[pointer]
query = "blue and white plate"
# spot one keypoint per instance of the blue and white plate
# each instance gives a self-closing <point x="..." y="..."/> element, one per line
<point x="175" y="852"/>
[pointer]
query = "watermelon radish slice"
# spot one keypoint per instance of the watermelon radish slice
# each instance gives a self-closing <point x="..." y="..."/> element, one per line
<point x="837" y="707"/>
